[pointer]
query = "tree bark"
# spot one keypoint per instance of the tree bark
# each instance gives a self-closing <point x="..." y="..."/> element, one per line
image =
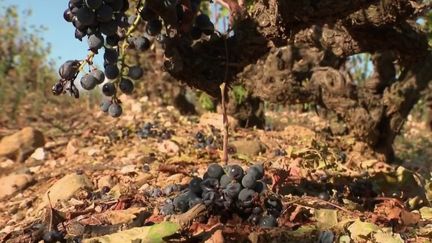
<point x="290" y="52"/>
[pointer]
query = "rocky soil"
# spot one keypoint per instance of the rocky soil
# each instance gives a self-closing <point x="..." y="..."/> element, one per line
<point x="88" y="176"/>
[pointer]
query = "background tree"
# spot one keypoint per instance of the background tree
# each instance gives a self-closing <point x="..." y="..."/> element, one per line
<point x="296" y="51"/>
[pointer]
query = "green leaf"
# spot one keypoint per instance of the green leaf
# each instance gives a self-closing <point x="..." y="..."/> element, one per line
<point x="206" y="102"/>
<point x="148" y="234"/>
<point x="359" y="230"/>
<point x="240" y="94"/>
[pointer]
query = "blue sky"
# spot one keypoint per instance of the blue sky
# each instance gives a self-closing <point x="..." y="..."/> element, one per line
<point x="59" y="33"/>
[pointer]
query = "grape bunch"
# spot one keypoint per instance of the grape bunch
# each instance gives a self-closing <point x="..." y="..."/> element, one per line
<point x="230" y="190"/>
<point x="150" y="130"/>
<point x="212" y="140"/>
<point x="108" y="25"/>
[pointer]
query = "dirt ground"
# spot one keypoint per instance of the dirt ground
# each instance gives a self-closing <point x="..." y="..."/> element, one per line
<point x="108" y="175"/>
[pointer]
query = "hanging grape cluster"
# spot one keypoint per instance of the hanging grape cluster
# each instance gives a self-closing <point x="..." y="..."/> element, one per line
<point x="108" y="28"/>
<point x="233" y="191"/>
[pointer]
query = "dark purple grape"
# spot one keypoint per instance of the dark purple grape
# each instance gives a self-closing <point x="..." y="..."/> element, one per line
<point x="167" y="209"/>
<point x="115" y="110"/>
<point x="116" y="5"/>
<point x="280" y="152"/>
<point x="195" y="33"/>
<point x="254" y="218"/>
<point x="108" y="89"/>
<point x="93" y="4"/>
<point x="104" y="14"/>
<point x="57" y="89"/>
<point x="53" y="236"/>
<point x="76" y="3"/>
<point x="126" y="86"/>
<point x="257" y="210"/>
<point x="125" y="6"/>
<point x="200" y="137"/>
<point x="260" y="187"/>
<point x="249" y="181"/>
<point x="181" y="203"/>
<point x="85" y="16"/>
<point x="235" y="171"/>
<point x="246" y="197"/>
<point x="195" y="185"/>
<point x="209" y="184"/>
<point x="257" y="170"/>
<point x="92" y="31"/>
<point x="268" y="221"/>
<point x="88" y="82"/>
<point x="324" y="196"/>
<point x="154" y="27"/>
<point x="74" y="11"/>
<point x="77" y="24"/>
<point x="154" y="192"/>
<point x="147" y="14"/>
<point x="111" y="71"/>
<point x="135" y="72"/>
<point x="273" y="206"/>
<point x="204" y="24"/>
<point x="232" y="190"/>
<point x="67" y="15"/>
<point x="98" y="75"/>
<point x="108" y="28"/>
<point x="105" y="104"/>
<point x="225" y="180"/>
<point x="215" y="171"/>
<point x="171" y="188"/>
<point x="79" y="34"/>
<point x="69" y="69"/>
<point x="95" y="42"/>
<point x="110" y="56"/>
<point x="105" y="189"/>
<point x="194" y="200"/>
<point x="112" y="40"/>
<point x="141" y="43"/>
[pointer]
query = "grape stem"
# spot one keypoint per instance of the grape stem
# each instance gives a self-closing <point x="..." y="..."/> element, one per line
<point x="88" y="60"/>
<point x="124" y="45"/>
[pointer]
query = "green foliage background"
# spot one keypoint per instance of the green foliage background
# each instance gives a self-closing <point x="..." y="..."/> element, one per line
<point x="25" y="72"/>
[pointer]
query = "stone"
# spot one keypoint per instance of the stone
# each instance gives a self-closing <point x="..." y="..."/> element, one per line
<point x="13" y="183"/>
<point x="20" y="145"/>
<point x="105" y="180"/>
<point x="249" y="147"/>
<point x="67" y="187"/>
<point x="39" y="154"/>
<point x="216" y="120"/>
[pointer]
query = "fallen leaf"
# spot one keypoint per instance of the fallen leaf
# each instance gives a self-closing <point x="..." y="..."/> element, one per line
<point x="387" y="237"/>
<point x="409" y="218"/>
<point x="359" y="230"/>
<point x="217" y="237"/>
<point x="426" y="212"/>
<point x="326" y="218"/>
<point x="148" y="234"/>
<point x="122" y="216"/>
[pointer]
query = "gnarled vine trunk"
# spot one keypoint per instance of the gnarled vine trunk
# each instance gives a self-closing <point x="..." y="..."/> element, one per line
<point x="294" y="51"/>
